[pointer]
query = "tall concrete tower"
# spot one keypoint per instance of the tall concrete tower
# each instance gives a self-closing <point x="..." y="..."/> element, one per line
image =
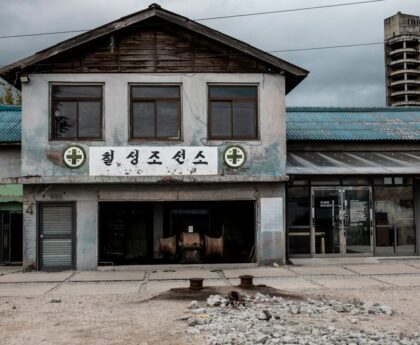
<point x="402" y="60"/>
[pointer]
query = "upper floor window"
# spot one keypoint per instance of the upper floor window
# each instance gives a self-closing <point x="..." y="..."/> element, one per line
<point x="233" y="112"/>
<point x="76" y="112"/>
<point x="155" y="112"/>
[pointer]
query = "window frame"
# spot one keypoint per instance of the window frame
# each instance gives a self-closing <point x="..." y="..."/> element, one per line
<point x="53" y="100"/>
<point x="232" y="101"/>
<point x="155" y="101"/>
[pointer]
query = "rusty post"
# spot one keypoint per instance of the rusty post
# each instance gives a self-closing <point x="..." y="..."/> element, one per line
<point x="196" y="283"/>
<point x="246" y="281"/>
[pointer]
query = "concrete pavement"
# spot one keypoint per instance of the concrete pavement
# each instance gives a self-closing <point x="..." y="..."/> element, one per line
<point x="348" y="275"/>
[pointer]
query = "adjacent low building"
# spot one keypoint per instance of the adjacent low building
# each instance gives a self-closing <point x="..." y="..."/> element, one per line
<point x="354" y="185"/>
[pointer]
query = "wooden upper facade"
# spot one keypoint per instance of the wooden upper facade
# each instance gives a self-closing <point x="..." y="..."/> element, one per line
<point x="153" y="41"/>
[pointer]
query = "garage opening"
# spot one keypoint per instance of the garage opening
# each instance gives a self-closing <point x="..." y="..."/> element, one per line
<point x="133" y="233"/>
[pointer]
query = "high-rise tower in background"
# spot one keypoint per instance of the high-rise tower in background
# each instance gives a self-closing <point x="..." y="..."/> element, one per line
<point x="402" y="60"/>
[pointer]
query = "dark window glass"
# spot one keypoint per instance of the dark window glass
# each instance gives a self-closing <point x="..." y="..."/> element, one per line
<point x="244" y="120"/>
<point x="233" y="112"/>
<point x="155" y="91"/>
<point x="89" y="126"/>
<point x="76" y="112"/>
<point x="155" y="112"/>
<point x="167" y="119"/>
<point x="71" y="91"/>
<point x="221" y="123"/>
<point x="143" y="119"/>
<point x="228" y="92"/>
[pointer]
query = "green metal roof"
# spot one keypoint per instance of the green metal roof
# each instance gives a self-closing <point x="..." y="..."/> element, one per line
<point x="353" y="124"/>
<point x="10" y="124"/>
<point x="303" y="124"/>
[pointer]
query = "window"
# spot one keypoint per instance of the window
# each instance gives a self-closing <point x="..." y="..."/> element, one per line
<point x="76" y="112"/>
<point x="155" y="112"/>
<point x="233" y="112"/>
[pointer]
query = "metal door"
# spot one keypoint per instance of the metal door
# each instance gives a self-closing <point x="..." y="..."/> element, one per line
<point x="341" y="221"/>
<point x="56" y="236"/>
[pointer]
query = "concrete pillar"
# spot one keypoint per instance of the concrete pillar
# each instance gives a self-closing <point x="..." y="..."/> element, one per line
<point x="29" y="253"/>
<point x="87" y="235"/>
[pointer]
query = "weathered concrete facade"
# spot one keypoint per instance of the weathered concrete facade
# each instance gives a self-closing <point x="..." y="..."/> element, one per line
<point x="269" y="246"/>
<point x="42" y="157"/>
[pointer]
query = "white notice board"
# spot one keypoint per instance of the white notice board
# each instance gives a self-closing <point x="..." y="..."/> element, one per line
<point x="272" y="214"/>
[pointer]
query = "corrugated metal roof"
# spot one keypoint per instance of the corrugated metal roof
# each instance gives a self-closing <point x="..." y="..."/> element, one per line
<point x="353" y="124"/>
<point x="10" y="124"/>
<point x="303" y="124"/>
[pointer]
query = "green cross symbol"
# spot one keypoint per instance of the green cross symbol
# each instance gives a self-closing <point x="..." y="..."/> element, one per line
<point x="235" y="156"/>
<point x="74" y="156"/>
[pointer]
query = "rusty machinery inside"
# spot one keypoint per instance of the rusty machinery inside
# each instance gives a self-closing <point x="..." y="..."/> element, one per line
<point x="176" y="232"/>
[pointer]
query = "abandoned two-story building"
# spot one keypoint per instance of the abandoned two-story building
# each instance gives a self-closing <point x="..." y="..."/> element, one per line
<point x="155" y="139"/>
<point x="149" y="128"/>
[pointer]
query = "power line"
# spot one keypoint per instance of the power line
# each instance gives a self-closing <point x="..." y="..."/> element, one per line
<point x="326" y="47"/>
<point x="290" y="10"/>
<point x="209" y="18"/>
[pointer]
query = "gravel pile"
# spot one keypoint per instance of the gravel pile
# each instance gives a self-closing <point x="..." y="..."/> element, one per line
<point x="262" y="319"/>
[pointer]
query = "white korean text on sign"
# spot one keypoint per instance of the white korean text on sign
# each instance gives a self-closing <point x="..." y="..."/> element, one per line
<point x="153" y="161"/>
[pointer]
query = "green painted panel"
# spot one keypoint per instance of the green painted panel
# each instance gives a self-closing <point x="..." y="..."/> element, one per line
<point x="11" y="193"/>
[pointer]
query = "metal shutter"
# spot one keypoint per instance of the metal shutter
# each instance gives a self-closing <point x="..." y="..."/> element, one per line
<point x="56" y="236"/>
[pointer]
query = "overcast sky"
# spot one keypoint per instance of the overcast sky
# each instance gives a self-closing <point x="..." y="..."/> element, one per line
<point x="339" y="77"/>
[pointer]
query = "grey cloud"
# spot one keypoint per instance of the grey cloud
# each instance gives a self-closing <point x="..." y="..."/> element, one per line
<point x="339" y="77"/>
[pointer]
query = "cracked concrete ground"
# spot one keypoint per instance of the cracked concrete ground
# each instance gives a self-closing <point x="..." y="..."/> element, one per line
<point x="113" y="307"/>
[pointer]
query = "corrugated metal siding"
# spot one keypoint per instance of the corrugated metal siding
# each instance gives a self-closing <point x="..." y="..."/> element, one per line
<point x="57" y="253"/>
<point x="10" y="124"/>
<point x="353" y="124"/>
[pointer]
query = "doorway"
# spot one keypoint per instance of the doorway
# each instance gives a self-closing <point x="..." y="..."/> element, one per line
<point x="341" y="221"/>
<point x="10" y="237"/>
<point x="139" y="233"/>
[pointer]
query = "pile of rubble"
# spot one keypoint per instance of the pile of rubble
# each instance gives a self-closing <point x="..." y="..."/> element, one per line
<point x="261" y="319"/>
